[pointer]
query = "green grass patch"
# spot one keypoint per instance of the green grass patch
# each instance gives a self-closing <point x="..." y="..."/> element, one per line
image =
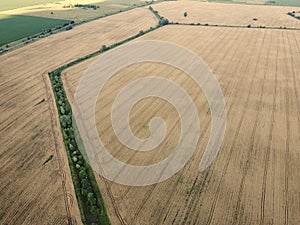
<point x="16" y="27"/>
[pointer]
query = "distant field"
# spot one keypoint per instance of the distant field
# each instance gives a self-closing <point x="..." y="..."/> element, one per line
<point x="7" y="5"/>
<point x="284" y="2"/>
<point x="260" y="2"/>
<point x="65" y="9"/>
<point x="218" y="13"/>
<point x="79" y="14"/>
<point x="18" y="26"/>
<point x="18" y="22"/>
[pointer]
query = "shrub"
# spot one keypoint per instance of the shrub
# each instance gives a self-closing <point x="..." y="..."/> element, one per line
<point x="65" y="121"/>
<point x="77" y="166"/>
<point x="163" y="22"/>
<point x="94" y="210"/>
<point x="85" y="183"/>
<point x="82" y="174"/>
<point x="185" y="14"/>
<point x="103" y="48"/>
<point x="91" y="199"/>
<point x="71" y="147"/>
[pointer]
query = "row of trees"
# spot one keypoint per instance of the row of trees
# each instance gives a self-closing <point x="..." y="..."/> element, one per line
<point x="86" y="6"/>
<point x="88" y="195"/>
<point x="161" y="20"/>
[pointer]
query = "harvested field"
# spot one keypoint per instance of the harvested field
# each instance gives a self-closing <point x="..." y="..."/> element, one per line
<point x="254" y="179"/>
<point x="228" y="14"/>
<point x="36" y="187"/>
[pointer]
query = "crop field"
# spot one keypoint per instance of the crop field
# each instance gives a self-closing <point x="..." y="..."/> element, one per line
<point x="66" y="9"/>
<point x="260" y="2"/>
<point x="36" y="185"/>
<point x="17" y="27"/>
<point x="254" y="179"/>
<point x="7" y="5"/>
<point x="228" y="14"/>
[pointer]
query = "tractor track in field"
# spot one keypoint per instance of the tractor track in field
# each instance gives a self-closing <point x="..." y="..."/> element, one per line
<point x="252" y="138"/>
<point x="287" y="147"/>
<point x="173" y="190"/>
<point x="192" y="203"/>
<point x="233" y="144"/>
<point x="231" y="106"/>
<point x="267" y="154"/>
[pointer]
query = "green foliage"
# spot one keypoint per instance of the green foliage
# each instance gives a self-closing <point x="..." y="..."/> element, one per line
<point x="163" y="22"/>
<point x="94" y="210"/>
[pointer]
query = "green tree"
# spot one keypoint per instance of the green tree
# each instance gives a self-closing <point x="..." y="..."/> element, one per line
<point x="91" y="199"/>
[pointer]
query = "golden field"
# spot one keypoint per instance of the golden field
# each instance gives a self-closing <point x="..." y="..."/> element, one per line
<point x="32" y="191"/>
<point x="228" y="14"/>
<point x="254" y="179"/>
